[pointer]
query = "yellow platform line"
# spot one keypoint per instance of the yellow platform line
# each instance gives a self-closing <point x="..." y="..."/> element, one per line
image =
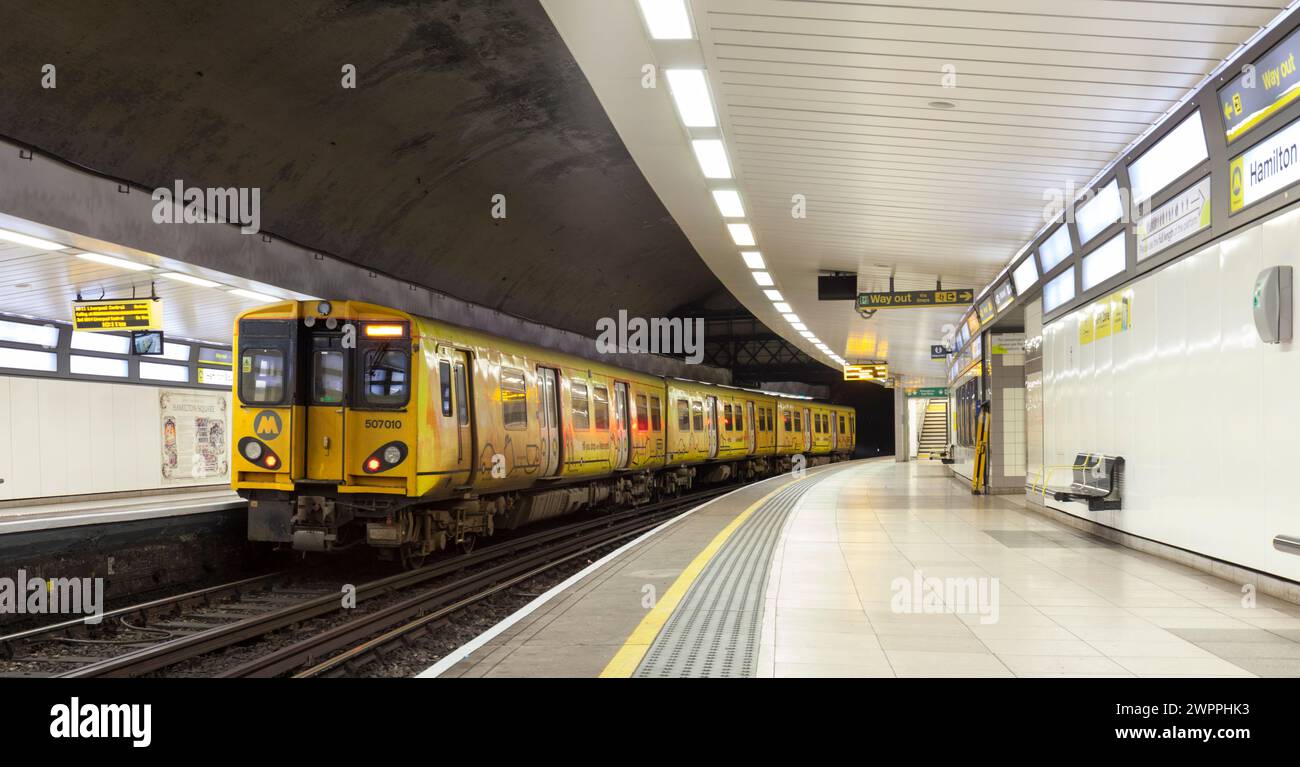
<point x="628" y="657"/>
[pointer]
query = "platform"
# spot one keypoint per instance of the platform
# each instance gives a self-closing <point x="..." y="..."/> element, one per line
<point x="50" y="514"/>
<point x="827" y="576"/>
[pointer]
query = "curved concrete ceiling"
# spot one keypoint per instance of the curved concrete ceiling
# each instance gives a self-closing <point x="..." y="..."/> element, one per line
<point x="455" y="102"/>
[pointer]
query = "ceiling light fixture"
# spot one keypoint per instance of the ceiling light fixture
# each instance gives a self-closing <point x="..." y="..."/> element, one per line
<point x="120" y="263"/>
<point x="29" y="241"/>
<point x="254" y="295"/>
<point x="691" y="93"/>
<point x="728" y="201"/>
<point x="753" y="259"/>
<point x="782" y="307"/>
<point x="666" y="19"/>
<point x="741" y="234"/>
<point x="712" y="157"/>
<point x="189" y="278"/>
<point x="773" y="295"/>
<point x="762" y="278"/>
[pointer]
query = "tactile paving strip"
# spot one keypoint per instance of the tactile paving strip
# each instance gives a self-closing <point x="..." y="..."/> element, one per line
<point x="715" y="630"/>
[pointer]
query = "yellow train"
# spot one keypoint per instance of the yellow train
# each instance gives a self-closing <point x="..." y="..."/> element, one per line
<point x="357" y="423"/>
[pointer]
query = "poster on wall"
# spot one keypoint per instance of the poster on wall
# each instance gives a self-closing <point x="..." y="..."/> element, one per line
<point x="1108" y="317"/>
<point x="193" y="436"/>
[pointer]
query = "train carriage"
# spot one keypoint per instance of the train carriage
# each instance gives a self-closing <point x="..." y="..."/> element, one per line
<point x="357" y="423"/>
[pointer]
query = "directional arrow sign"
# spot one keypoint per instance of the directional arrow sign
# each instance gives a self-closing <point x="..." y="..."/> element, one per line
<point x="915" y="298"/>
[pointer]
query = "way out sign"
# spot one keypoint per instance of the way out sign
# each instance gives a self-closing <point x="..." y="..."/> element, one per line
<point x="121" y="314"/>
<point x="914" y="298"/>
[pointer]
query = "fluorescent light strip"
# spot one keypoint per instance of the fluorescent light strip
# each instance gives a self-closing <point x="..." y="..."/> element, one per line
<point x="29" y="241"/>
<point x="254" y="295"/>
<point x="666" y="19"/>
<point x="763" y="278"/>
<point x="773" y="295"/>
<point x="189" y="278"/>
<point x="753" y="259"/>
<point x="712" y="158"/>
<point x="729" y="204"/>
<point x="782" y="307"/>
<point x="741" y="234"/>
<point x="120" y="263"/>
<point x="791" y="317"/>
<point x="691" y="93"/>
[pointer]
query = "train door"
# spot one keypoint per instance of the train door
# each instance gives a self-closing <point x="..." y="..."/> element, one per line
<point x="711" y="424"/>
<point x="462" y="399"/>
<point x="751" y="443"/>
<point x="835" y="431"/>
<point x="324" y="437"/>
<point x="622" y="434"/>
<point x="807" y="429"/>
<point x="548" y="417"/>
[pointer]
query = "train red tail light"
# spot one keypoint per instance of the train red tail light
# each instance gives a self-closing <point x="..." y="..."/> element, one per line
<point x="385" y="458"/>
<point x="258" y="453"/>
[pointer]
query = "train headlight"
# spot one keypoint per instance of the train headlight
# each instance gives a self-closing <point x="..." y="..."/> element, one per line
<point x="252" y="450"/>
<point x="392" y="454"/>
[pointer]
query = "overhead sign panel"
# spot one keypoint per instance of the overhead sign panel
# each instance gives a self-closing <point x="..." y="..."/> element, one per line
<point x="876" y="371"/>
<point x="120" y="314"/>
<point x="1176" y="220"/>
<point x="1263" y="90"/>
<point x="900" y="299"/>
<point x="929" y="391"/>
<point x="1270" y="166"/>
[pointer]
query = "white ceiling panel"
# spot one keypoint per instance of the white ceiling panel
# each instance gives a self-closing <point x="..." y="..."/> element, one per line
<point x="836" y="101"/>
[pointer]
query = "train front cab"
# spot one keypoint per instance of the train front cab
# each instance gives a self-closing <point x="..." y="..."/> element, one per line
<point x="322" y="424"/>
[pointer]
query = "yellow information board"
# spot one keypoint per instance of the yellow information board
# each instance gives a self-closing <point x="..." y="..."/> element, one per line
<point x="118" y="314"/>
<point x="1107" y="317"/>
<point x="875" y="371"/>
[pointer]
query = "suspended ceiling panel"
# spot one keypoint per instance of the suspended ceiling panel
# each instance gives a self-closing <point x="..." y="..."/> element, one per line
<point x="836" y="101"/>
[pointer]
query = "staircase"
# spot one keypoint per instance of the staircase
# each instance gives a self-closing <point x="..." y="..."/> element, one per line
<point x="934" y="429"/>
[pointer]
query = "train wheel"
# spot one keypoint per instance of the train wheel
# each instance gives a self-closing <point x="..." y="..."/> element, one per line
<point x="410" y="559"/>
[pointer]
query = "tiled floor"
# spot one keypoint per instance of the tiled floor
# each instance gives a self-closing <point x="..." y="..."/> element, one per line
<point x="848" y="596"/>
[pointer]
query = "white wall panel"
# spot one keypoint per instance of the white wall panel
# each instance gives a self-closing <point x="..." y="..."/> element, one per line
<point x="61" y="437"/>
<point x="1205" y="415"/>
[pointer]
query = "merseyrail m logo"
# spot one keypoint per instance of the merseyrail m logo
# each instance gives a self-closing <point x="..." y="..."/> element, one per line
<point x="266" y="424"/>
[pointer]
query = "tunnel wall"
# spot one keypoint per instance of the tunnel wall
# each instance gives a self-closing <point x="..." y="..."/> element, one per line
<point x="62" y="438"/>
<point x="1202" y="411"/>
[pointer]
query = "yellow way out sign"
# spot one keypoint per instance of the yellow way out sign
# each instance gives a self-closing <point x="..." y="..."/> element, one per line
<point x="119" y="314"/>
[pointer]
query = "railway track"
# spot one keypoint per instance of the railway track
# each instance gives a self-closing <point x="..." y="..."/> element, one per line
<point x="410" y="602"/>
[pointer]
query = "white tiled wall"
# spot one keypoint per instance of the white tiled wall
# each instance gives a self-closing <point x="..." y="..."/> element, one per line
<point x="1206" y="416"/>
<point x="1013" y="432"/>
<point x="76" y="437"/>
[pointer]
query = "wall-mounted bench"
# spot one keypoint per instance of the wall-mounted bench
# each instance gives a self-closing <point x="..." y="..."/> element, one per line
<point x="1095" y="480"/>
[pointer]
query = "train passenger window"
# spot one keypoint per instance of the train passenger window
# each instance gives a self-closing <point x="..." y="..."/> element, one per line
<point x="600" y="407"/>
<point x="798" y="421"/>
<point x="726" y="417"/>
<point x="697" y="416"/>
<point x="514" y="399"/>
<point x="785" y="416"/>
<point x="740" y="418"/>
<point x="656" y="416"/>
<point x="581" y="416"/>
<point x="261" y="380"/>
<point x="462" y="387"/>
<point x="384" y="380"/>
<point x="327" y="377"/>
<point x="444" y="378"/>
<point x="642" y="413"/>
<point x="841" y="424"/>
<point x="683" y="415"/>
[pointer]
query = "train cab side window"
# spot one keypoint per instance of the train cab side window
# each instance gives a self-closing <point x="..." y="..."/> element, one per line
<point x="726" y="418"/>
<point x="656" y="415"/>
<point x="261" y="381"/>
<point x="697" y="416"/>
<point x="642" y="413"/>
<point x="600" y="406"/>
<point x="581" y="413"/>
<point x="514" y="399"/>
<point x="444" y="378"/>
<point x="683" y="415"/>
<point x="462" y="389"/>
<point x="740" y="417"/>
<point x="384" y="380"/>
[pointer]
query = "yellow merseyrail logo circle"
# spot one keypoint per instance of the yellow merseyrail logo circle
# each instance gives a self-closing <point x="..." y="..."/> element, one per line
<point x="267" y="425"/>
